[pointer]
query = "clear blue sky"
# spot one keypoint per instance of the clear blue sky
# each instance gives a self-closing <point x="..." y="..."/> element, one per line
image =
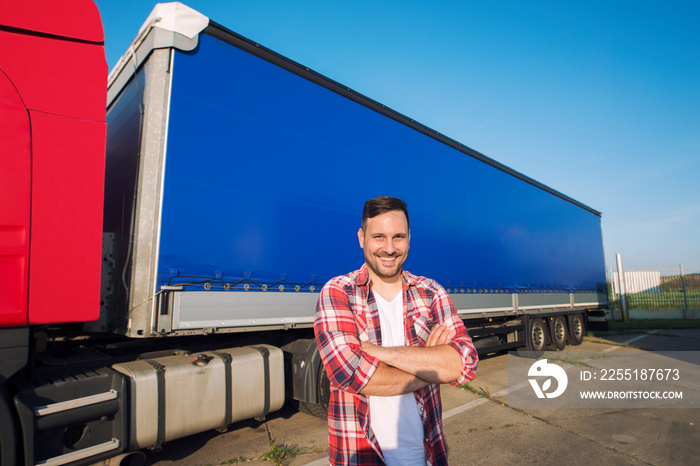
<point x="599" y="99"/>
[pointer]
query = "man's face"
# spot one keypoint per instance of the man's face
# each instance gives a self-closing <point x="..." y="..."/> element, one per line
<point x="385" y="243"/>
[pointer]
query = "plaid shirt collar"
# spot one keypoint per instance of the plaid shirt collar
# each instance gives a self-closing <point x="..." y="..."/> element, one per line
<point x="363" y="282"/>
<point x="363" y="278"/>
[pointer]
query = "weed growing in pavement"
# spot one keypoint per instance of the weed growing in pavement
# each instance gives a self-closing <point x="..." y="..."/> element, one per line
<point x="570" y="359"/>
<point x="278" y="454"/>
<point x="611" y="343"/>
<point x="482" y="392"/>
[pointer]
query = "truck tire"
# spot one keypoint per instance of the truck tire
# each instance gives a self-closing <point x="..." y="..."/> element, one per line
<point x="578" y="329"/>
<point x="536" y="335"/>
<point x="320" y="408"/>
<point x="559" y="332"/>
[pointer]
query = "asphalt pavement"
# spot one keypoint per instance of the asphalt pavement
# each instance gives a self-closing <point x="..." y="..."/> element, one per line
<point x="481" y="428"/>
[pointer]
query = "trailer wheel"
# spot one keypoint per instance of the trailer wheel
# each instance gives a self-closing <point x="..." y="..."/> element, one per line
<point x="577" y="329"/>
<point x="559" y="331"/>
<point x="537" y="335"/>
<point x="320" y="408"/>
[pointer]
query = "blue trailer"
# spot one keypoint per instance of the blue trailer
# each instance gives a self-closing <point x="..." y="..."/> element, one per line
<point x="235" y="180"/>
<point x="234" y="184"/>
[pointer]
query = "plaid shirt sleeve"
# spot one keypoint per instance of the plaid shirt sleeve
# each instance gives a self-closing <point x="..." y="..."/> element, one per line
<point x="347" y="366"/>
<point x="446" y="313"/>
<point x="341" y="317"/>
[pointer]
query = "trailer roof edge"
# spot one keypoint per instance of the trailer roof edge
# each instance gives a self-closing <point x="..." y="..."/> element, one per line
<point x="169" y="25"/>
<point x="225" y="34"/>
<point x="176" y="25"/>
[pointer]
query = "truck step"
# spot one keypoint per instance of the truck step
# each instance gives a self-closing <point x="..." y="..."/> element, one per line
<point x="81" y="454"/>
<point x="80" y="418"/>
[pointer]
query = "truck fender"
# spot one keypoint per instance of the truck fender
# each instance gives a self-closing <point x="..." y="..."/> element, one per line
<point x="14" y="355"/>
<point x="304" y="364"/>
<point x="8" y="429"/>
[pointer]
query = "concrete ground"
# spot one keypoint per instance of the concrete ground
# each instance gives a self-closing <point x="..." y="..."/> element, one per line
<point x="485" y="431"/>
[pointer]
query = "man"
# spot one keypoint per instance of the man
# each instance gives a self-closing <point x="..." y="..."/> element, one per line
<point x="387" y="340"/>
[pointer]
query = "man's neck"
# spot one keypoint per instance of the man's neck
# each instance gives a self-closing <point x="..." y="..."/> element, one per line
<point x="387" y="288"/>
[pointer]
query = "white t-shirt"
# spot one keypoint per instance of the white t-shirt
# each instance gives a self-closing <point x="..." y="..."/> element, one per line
<point x="395" y="419"/>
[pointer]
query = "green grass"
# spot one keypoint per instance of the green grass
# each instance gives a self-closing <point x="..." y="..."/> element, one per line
<point x="482" y="392"/>
<point x="655" y="324"/>
<point x="569" y="358"/>
<point x="662" y="301"/>
<point x="278" y="454"/>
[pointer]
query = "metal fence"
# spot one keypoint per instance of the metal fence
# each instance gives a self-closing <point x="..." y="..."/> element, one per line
<point x="651" y="288"/>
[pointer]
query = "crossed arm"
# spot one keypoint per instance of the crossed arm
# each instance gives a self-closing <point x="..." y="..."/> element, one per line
<point x="359" y="367"/>
<point x="405" y="369"/>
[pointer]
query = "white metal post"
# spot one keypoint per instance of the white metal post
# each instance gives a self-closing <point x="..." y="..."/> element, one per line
<point x="622" y="287"/>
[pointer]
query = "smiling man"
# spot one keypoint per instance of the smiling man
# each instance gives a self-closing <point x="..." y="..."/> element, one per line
<point x="387" y="339"/>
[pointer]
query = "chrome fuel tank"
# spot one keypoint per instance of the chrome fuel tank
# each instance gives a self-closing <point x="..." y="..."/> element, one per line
<point x="176" y="396"/>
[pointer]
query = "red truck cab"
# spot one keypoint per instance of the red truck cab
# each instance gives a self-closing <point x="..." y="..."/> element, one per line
<point x="53" y="78"/>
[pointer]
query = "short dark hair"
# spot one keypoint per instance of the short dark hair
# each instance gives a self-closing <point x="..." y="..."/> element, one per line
<point x="382" y="204"/>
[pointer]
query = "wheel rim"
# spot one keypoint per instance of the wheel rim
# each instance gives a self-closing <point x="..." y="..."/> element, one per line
<point x="578" y="328"/>
<point x="537" y="335"/>
<point x="559" y="331"/>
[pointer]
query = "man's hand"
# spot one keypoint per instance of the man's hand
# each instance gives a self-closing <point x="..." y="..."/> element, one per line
<point x="440" y="335"/>
<point x="435" y="363"/>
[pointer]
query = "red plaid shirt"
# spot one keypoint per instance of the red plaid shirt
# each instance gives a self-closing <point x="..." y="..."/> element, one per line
<point x="347" y="315"/>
